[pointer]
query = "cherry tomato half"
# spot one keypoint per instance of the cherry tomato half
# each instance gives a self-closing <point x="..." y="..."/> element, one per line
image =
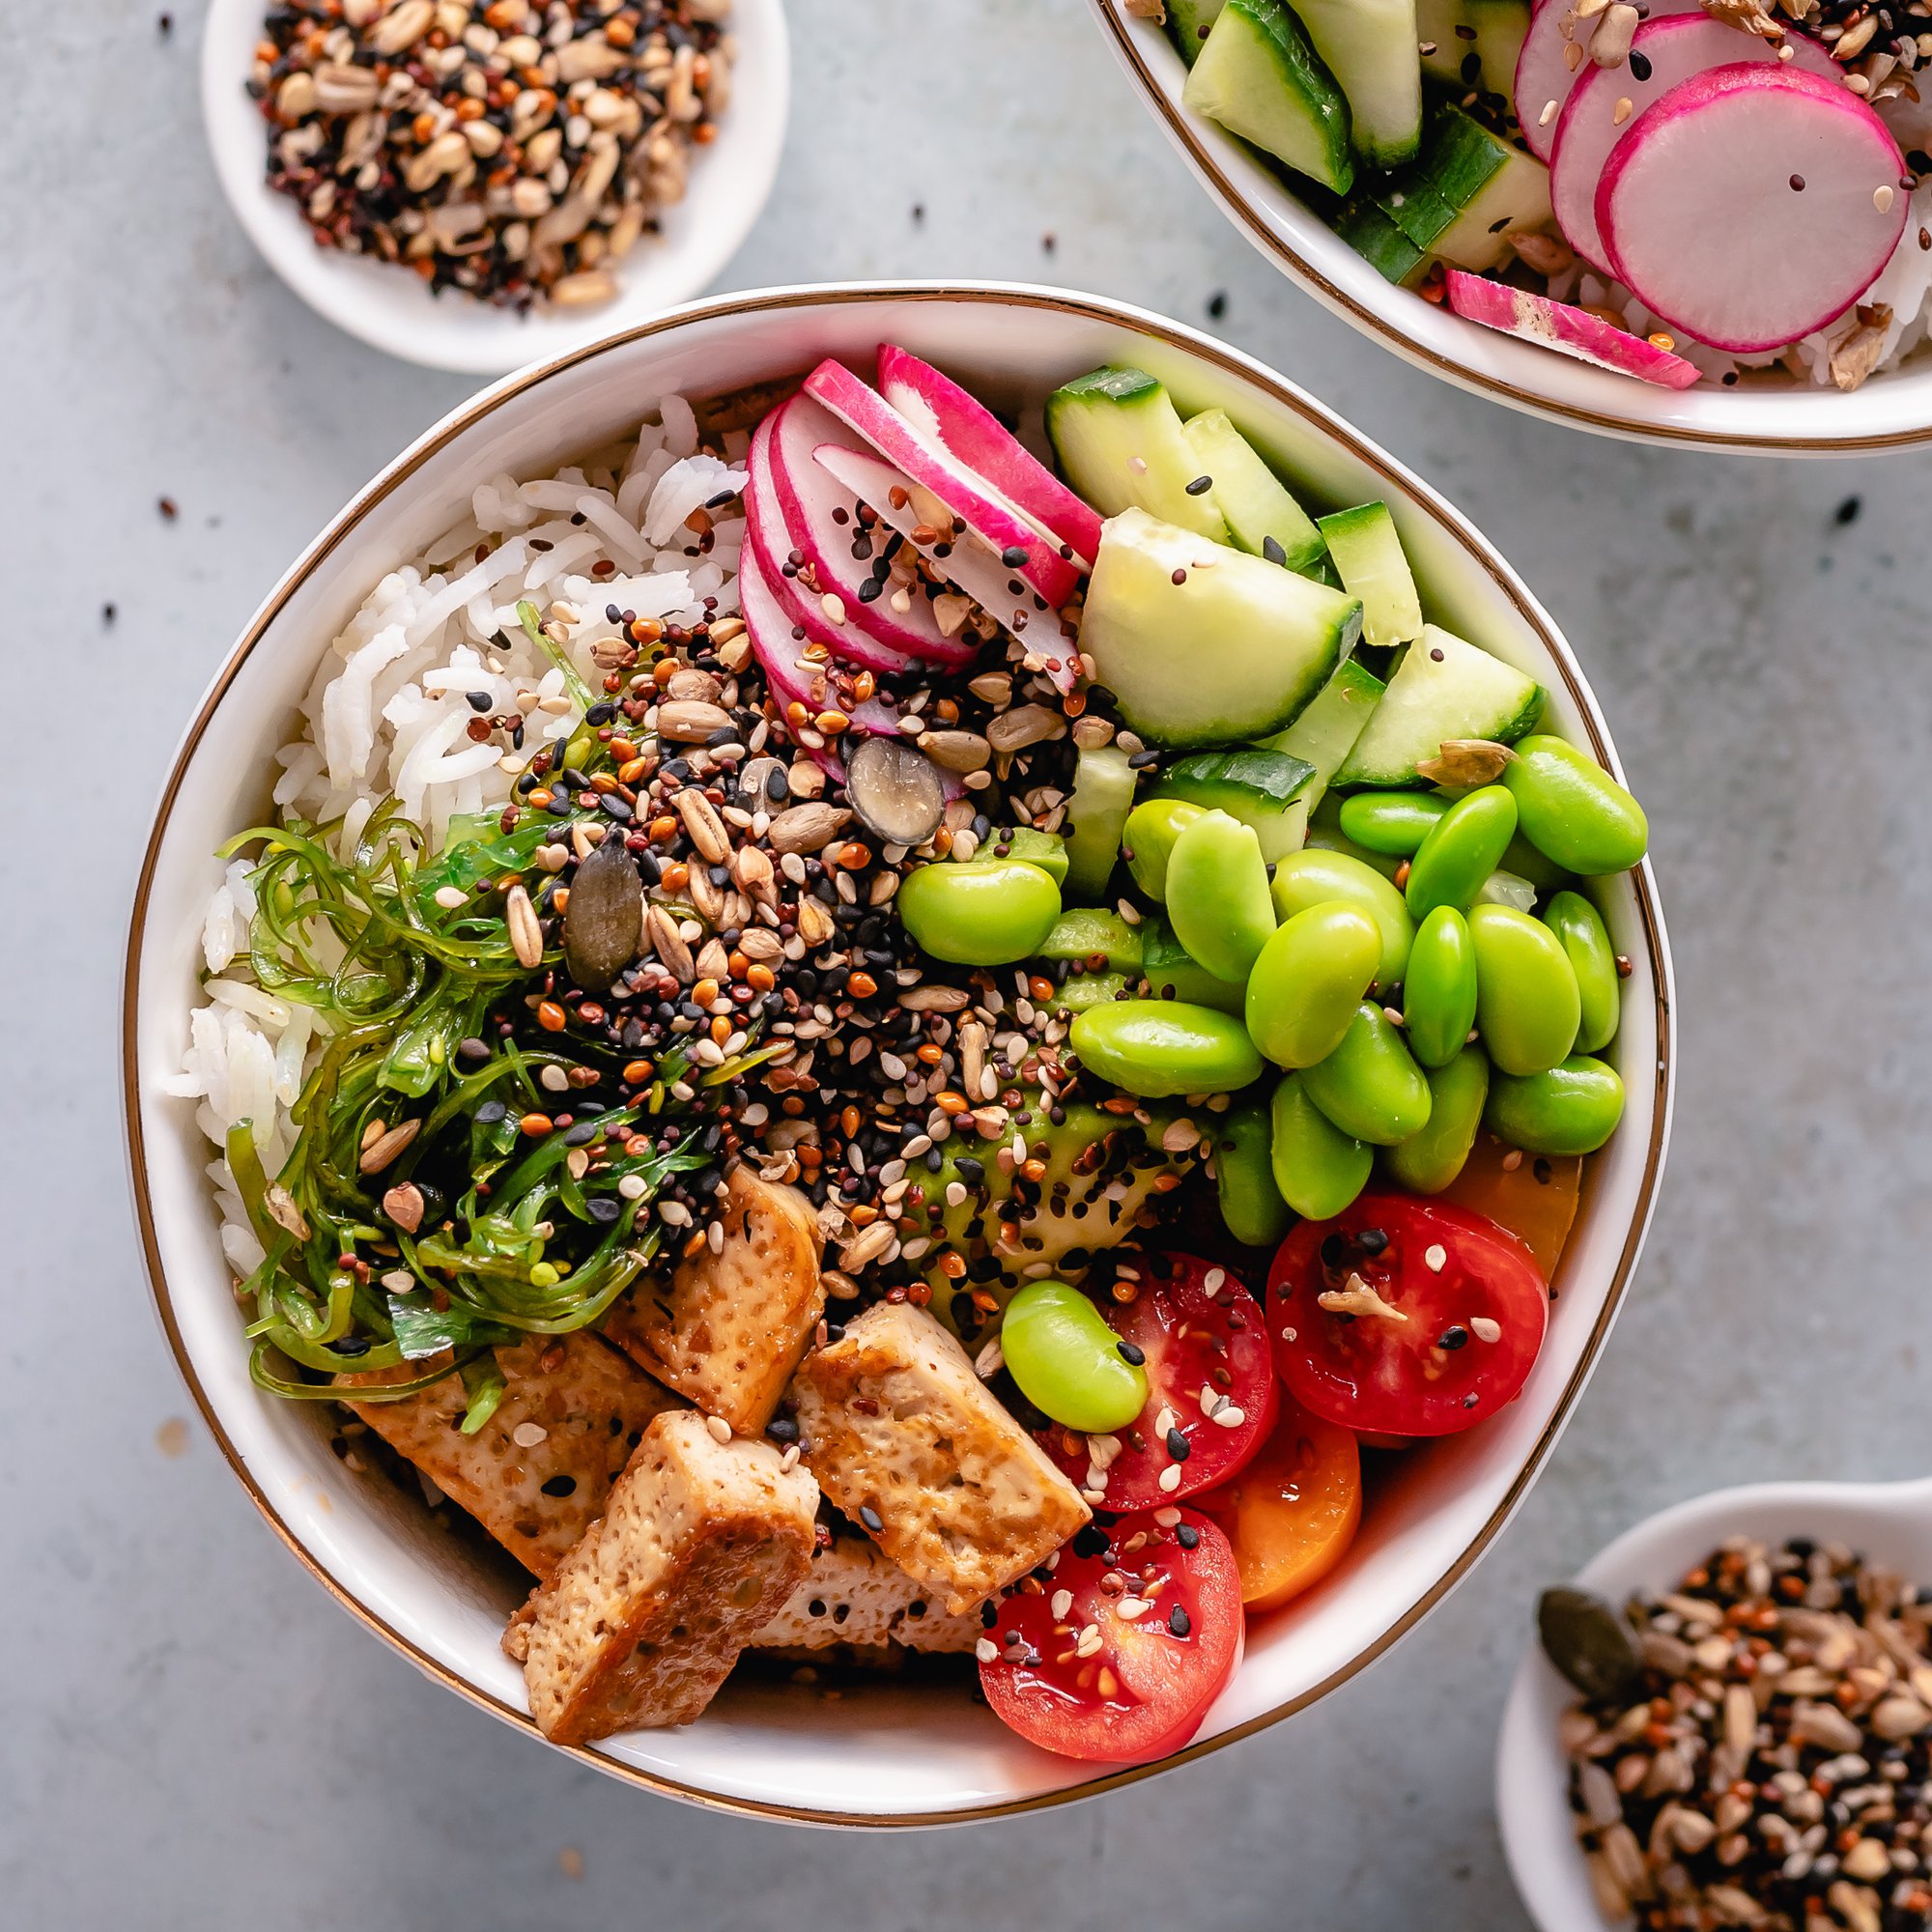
<point x="1203" y="1340"/>
<point x="1405" y="1317"/>
<point x="1292" y="1514"/>
<point x="1117" y="1655"/>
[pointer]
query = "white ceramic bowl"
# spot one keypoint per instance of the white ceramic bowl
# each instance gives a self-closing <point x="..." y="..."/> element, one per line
<point x="392" y="310"/>
<point x="885" y="1753"/>
<point x="1889" y="412"/>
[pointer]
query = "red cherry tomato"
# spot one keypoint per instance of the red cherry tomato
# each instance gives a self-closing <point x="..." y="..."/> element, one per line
<point x="1201" y="1335"/>
<point x="1405" y="1316"/>
<point x="1117" y="1655"/>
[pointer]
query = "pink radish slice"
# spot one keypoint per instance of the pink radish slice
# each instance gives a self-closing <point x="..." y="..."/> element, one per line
<point x="964" y="560"/>
<point x="1592" y="126"/>
<point x="1753" y="205"/>
<point x="1544" y="76"/>
<point x="967" y="430"/>
<point x="809" y="504"/>
<point x="1003" y="526"/>
<point x="1570" y="331"/>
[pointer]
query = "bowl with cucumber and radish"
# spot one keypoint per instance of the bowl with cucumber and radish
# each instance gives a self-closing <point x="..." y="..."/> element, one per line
<point x="1684" y="222"/>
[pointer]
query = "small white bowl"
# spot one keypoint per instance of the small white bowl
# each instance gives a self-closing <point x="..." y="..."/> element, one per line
<point x="394" y="309"/>
<point x="1891" y="411"/>
<point x="884" y="1752"/>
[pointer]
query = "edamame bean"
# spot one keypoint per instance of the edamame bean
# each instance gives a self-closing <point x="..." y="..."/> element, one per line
<point x="1160" y="1047"/>
<point x="1088" y="989"/>
<point x="1573" y="810"/>
<point x="1527" y="863"/>
<point x="1147" y="838"/>
<point x="1251" y="1204"/>
<point x="1461" y="852"/>
<point x="1528" y="1005"/>
<point x="1370" y="1087"/>
<point x="1429" y="1161"/>
<point x="1067" y="1361"/>
<point x="1309" y="980"/>
<point x="1579" y="926"/>
<point x="1313" y="878"/>
<point x="1317" y="1167"/>
<point x="1571" y="1108"/>
<point x="1085" y="932"/>
<point x="1217" y="894"/>
<point x="1394" y="822"/>
<point x="987" y="913"/>
<point x="1439" y="994"/>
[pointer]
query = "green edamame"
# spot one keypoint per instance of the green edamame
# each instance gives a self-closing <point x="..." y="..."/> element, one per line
<point x="1147" y="838"/>
<point x="1309" y="980"/>
<point x="1318" y="1169"/>
<point x="1579" y="926"/>
<point x="1067" y="1361"/>
<point x="1082" y="990"/>
<point x="1528" y="1005"/>
<point x="1438" y="995"/>
<point x="1313" y="878"/>
<point x="1524" y="860"/>
<point x="1085" y="932"/>
<point x="1160" y="1047"/>
<point x="1571" y="1108"/>
<point x="1370" y="1087"/>
<point x="989" y="912"/>
<point x="1218" y="895"/>
<point x="1252" y="1209"/>
<point x="1573" y="810"/>
<point x="1426" y="1162"/>
<point x="1461" y="851"/>
<point x="1394" y="822"/>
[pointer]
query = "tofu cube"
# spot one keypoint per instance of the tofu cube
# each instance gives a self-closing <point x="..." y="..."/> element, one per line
<point x="855" y="1595"/>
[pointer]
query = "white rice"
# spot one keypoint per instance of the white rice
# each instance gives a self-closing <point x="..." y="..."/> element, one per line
<point x="387" y="713"/>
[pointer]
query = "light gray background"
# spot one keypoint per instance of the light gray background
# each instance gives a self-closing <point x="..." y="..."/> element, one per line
<point x="190" y="1734"/>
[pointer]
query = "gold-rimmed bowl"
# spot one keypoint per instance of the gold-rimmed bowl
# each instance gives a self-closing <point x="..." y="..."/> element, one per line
<point x="884" y="1752"/>
<point x="1768" y="414"/>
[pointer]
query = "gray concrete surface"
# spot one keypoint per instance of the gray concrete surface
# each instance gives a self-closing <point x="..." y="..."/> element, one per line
<point x="190" y="1734"/>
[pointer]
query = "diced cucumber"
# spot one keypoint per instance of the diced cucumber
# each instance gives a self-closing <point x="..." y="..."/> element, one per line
<point x="1087" y="931"/>
<point x="1369" y="554"/>
<point x="1045" y="849"/>
<point x="1507" y="889"/>
<point x="1119" y="442"/>
<point x="1173" y="973"/>
<point x="1080" y="990"/>
<point x="1258" y="77"/>
<point x="1516" y="196"/>
<point x="1326" y="731"/>
<point x="1202" y="645"/>
<point x="1379" y="243"/>
<point x="1443" y="688"/>
<point x="1103" y="794"/>
<point x="1441" y="47"/>
<point x="1251" y="497"/>
<point x="1259" y="788"/>
<point x="1501" y="27"/>
<point x="1370" y="47"/>
<point x="1187" y="25"/>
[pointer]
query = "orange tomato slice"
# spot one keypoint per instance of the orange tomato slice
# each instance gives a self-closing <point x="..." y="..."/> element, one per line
<point x="1292" y="1511"/>
<point x="1536" y="1200"/>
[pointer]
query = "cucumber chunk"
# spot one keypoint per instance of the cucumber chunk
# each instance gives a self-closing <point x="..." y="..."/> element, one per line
<point x="1440" y="46"/>
<point x="1251" y="497"/>
<point x="1369" y="554"/>
<point x="1103" y="794"/>
<point x="1259" y="788"/>
<point x="1172" y="972"/>
<point x="1206" y="645"/>
<point x="1119" y="442"/>
<point x="1370" y="47"/>
<point x="1326" y="731"/>
<point x="1187" y="24"/>
<point x="1258" y="77"/>
<point x="1501" y="28"/>
<point x="1085" y="931"/>
<point x="1443" y="688"/>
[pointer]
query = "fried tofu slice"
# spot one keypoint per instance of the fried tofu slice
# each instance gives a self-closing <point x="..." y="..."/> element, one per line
<point x="906" y="1440"/>
<point x="700" y="1548"/>
<point x="854" y="1594"/>
<point x="729" y="1328"/>
<point x="537" y="1473"/>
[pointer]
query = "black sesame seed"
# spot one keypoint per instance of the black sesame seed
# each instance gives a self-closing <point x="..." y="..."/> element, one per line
<point x="1014" y="556"/>
<point x="560" y="1486"/>
<point x="870" y="1517"/>
<point x="1640" y="65"/>
<point x="1188" y="1536"/>
<point x="1131" y="1353"/>
<point x="1453" y="1337"/>
<point x="479" y="700"/>
<point x="1178" y="1445"/>
<point x="1274" y="552"/>
<point x="1200" y="486"/>
<point x="1372" y="1240"/>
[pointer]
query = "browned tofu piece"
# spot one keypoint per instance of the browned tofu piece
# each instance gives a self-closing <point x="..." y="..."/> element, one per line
<point x="701" y="1545"/>
<point x="572" y="1412"/>
<point x="854" y="1594"/>
<point x="729" y="1328"/>
<point x="894" y="1422"/>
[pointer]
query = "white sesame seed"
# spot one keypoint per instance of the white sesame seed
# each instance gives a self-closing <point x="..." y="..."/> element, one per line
<point x="449" y="897"/>
<point x="1435" y="1257"/>
<point x="1167" y="1517"/>
<point x="632" y="1187"/>
<point x="1230" y="1415"/>
<point x="1164" y="1422"/>
<point x="1060" y="1602"/>
<point x="527" y="1435"/>
<point x="720" y="1430"/>
<point x="1881" y="200"/>
<point x="399" y="1281"/>
<point x="789" y="1459"/>
<point x="987" y="1651"/>
<point x="1215" y="1279"/>
<point x="1485" y="1329"/>
<point x="1132" y="1608"/>
<point x="1170" y="1478"/>
<point x="555" y="1078"/>
<point x="1090" y="1642"/>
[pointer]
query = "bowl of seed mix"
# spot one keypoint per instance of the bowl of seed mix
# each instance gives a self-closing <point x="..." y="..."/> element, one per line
<point x="477" y="184"/>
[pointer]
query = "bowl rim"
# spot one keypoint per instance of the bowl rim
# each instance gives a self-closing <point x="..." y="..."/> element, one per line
<point x="1188" y="342"/>
<point x="1239" y="206"/>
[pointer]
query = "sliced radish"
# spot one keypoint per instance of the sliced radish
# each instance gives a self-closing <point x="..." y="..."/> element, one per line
<point x="868" y="627"/>
<point x="1570" y="331"/>
<point x="1001" y="524"/>
<point x="966" y="429"/>
<point x="1753" y="205"/>
<point x="1606" y="102"/>
<point x="1544" y="74"/>
<point x="900" y="503"/>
